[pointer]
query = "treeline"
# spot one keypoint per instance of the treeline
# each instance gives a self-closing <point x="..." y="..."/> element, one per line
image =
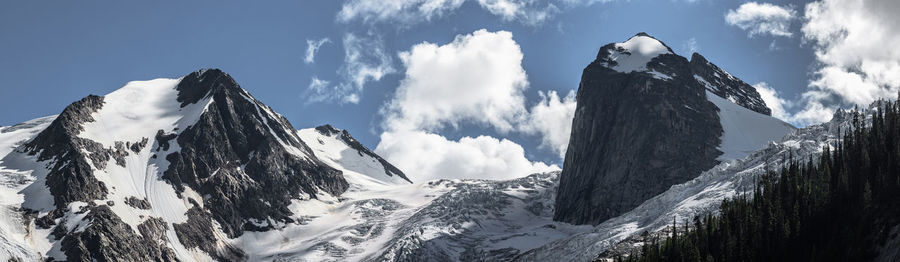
<point x="839" y="208"/>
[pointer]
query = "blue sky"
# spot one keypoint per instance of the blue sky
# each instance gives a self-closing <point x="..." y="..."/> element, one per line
<point x="53" y="53"/>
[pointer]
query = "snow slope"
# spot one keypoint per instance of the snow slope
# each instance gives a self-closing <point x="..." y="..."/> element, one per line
<point x="16" y="135"/>
<point x="745" y="131"/>
<point x="12" y="233"/>
<point x="328" y="146"/>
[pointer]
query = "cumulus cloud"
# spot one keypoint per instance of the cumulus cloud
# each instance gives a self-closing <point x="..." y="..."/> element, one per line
<point x="857" y="62"/>
<point x="365" y="60"/>
<point x="552" y="119"/>
<point x="312" y="46"/>
<point x="408" y="12"/>
<point x="476" y="79"/>
<point x="428" y="156"/>
<point x="762" y="19"/>
<point x="855" y="42"/>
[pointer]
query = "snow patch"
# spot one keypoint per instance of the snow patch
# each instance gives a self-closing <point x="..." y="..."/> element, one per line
<point x="745" y="131"/>
<point x="634" y="54"/>
<point x="139" y="109"/>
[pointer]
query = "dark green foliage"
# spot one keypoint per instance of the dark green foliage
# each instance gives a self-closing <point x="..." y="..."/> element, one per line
<point x="839" y="208"/>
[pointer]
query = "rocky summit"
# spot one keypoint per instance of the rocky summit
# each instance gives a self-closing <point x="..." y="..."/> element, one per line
<point x="647" y="119"/>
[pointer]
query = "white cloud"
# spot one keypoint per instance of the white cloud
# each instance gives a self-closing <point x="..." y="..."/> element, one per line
<point x="426" y="156"/>
<point x="365" y="60"/>
<point x="813" y="112"/>
<point x="857" y="62"/>
<point x="552" y="118"/>
<point x="398" y="11"/>
<point x="409" y="12"/>
<point x="762" y="18"/>
<point x="525" y="11"/>
<point x="856" y="44"/>
<point x="317" y="90"/>
<point x="477" y="78"/>
<point x="312" y="46"/>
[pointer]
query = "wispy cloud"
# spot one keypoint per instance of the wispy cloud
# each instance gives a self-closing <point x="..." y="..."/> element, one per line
<point x="762" y="19"/>
<point x="317" y="90"/>
<point x="690" y="46"/>
<point x="411" y="12"/>
<point x="312" y="46"/>
<point x="365" y="60"/>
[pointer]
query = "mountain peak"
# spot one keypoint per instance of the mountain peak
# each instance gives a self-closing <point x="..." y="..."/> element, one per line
<point x="699" y="58"/>
<point x="642" y="102"/>
<point x="201" y="83"/>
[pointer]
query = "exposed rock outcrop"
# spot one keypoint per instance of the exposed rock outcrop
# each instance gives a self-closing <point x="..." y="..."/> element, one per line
<point x="107" y="238"/>
<point x="71" y="178"/>
<point x="727" y="86"/>
<point x="642" y="124"/>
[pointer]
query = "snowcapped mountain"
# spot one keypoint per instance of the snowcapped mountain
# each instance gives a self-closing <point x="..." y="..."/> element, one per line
<point x="166" y="169"/>
<point x="197" y="169"/>
<point x="647" y="119"/>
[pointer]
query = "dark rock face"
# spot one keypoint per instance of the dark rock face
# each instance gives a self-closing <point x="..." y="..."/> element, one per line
<point x="246" y="160"/>
<point x="107" y="238"/>
<point x="633" y="136"/>
<point x="345" y="136"/>
<point x="197" y="232"/>
<point x="137" y="203"/>
<point x="727" y="86"/>
<point x="70" y="178"/>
